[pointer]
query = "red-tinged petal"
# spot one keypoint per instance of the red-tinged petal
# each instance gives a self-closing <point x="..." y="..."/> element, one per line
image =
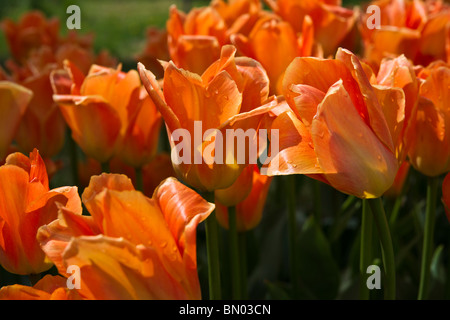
<point x="14" y="100"/>
<point x="296" y="155"/>
<point x="95" y="124"/>
<point x="183" y="209"/>
<point x="76" y="75"/>
<point x="13" y="182"/>
<point x="446" y="195"/>
<point x="115" y="269"/>
<point x="365" y="99"/>
<point x="344" y="144"/>
<point x="38" y="171"/>
<point x="303" y="100"/>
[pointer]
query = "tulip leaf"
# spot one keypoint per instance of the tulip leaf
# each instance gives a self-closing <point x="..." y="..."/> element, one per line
<point x="318" y="271"/>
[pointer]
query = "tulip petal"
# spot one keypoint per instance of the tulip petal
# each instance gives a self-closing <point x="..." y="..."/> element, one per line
<point x="95" y="124"/>
<point x="296" y="147"/>
<point x="14" y="100"/>
<point x="115" y="269"/>
<point x="364" y="166"/>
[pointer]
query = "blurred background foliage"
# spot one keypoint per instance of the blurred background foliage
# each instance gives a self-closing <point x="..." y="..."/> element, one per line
<point x="118" y="25"/>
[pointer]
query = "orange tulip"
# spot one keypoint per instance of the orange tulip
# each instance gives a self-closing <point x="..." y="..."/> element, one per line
<point x="336" y="130"/>
<point x="26" y="203"/>
<point x="109" y="113"/>
<point x="195" y="39"/>
<point x="31" y="32"/>
<point x="48" y="288"/>
<point x="203" y="108"/>
<point x="131" y="247"/>
<point x="14" y="100"/>
<point x="399" y="73"/>
<point x="331" y="22"/>
<point x="429" y="152"/>
<point x="250" y="207"/>
<point x="413" y="28"/>
<point x="446" y="195"/>
<point x="274" y="43"/>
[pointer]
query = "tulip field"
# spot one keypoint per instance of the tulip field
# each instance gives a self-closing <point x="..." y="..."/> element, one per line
<point x="225" y="150"/>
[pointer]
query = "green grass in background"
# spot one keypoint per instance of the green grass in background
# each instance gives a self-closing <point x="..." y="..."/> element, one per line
<point x="119" y="25"/>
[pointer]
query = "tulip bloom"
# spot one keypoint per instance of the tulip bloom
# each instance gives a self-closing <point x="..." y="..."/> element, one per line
<point x="429" y="152"/>
<point x="26" y="203"/>
<point x="331" y="22"/>
<point x="336" y="131"/>
<point x="131" y="247"/>
<point x="14" y="100"/>
<point x="48" y="288"/>
<point x="195" y="39"/>
<point x="108" y="112"/>
<point x="412" y="28"/>
<point x="249" y="200"/>
<point x="30" y="33"/>
<point x="446" y="195"/>
<point x="274" y="43"/>
<point x="399" y="73"/>
<point x="214" y="101"/>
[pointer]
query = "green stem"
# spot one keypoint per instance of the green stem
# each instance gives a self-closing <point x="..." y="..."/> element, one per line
<point x="395" y="210"/>
<point x="105" y="167"/>
<point x="376" y="205"/>
<point x="212" y="250"/>
<point x="292" y="233"/>
<point x="234" y="254"/>
<point x="139" y="179"/>
<point x="243" y="260"/>
<point x="428" y="236"/>
<point x="365" y="250"/>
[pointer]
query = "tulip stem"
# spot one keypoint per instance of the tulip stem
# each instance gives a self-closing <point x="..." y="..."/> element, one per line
<point x="234" y="254"/>
<point x="292" y="233"/>
<point x="384" y="234"/>
<point x="243" y="260"/>
<point x="212" y="250"/>
<point x="105" y="167"/>
<point x="428" y="236"/>
<point x="139" y="179"/>
<point x="365" y="258"/>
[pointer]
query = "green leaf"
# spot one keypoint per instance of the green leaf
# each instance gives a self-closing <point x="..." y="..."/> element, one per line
<point x="318" y="270"/>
